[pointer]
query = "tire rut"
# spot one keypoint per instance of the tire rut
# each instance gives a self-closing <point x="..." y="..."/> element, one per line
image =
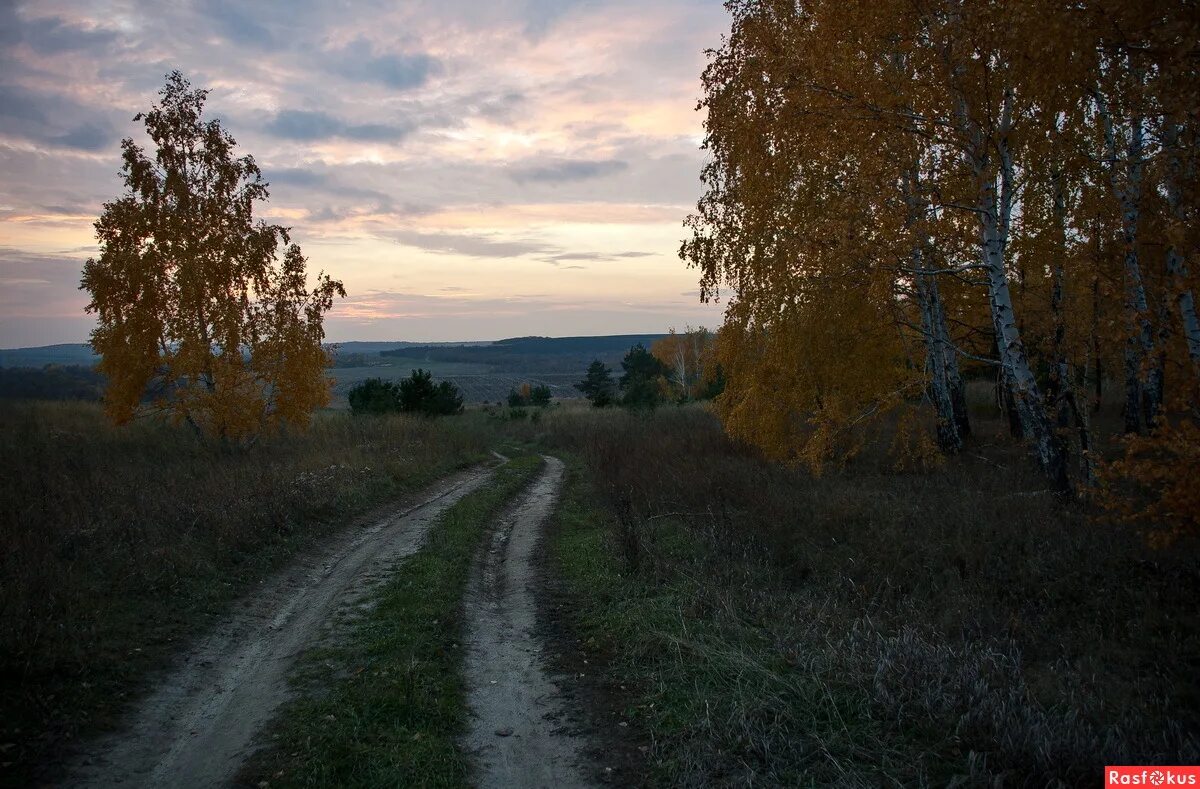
<point x="198" y="726"/>
<point x="518" y="734"/>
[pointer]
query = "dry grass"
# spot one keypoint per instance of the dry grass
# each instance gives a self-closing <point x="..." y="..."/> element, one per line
<point x="871" y="627"/>
<point x="120" y="541"/>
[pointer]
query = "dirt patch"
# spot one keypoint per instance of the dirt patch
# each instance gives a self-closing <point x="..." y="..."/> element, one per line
<point x="520" y="733"/>
<point x="598" y="704"/>
<point x="198" y="726"/>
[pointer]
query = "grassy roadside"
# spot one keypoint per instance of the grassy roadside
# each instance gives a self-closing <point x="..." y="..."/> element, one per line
<point x="869" y="627"/>
<point x="121" y="543"/>
<point x="384" y="706"/>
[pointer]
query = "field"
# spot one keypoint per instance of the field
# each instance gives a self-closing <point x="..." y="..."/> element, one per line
<point x="476" y="382"/>
<point x="754" y="624"/>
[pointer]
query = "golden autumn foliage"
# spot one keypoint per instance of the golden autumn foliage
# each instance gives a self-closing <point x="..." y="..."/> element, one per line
<point x="1155" y="479"/>
<point x="196" y="315"/>
<point x="690" y="358"/>
<point x="900" y="196"/>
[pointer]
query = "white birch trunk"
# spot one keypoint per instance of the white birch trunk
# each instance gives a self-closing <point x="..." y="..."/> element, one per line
<point x="995" y="215"/>
<point x="937" y="350"/>
<point x="681" y="371"/>
<point x="954" y="381"/>
<point x="1143" y="386"/>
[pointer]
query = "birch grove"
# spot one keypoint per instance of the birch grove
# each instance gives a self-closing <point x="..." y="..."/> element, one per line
<point x="902" y="198"/>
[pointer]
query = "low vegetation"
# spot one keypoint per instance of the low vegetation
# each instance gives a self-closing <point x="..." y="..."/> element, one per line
<point x="118" y="542"/>
<point x="385" y="705"/>
<point x="869" y="627"/>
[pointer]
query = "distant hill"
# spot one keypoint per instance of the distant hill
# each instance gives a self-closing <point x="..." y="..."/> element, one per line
<point x="484" y="370"/>
<point x="533" y="354"/>
<point x="80" y="354"/>
<point x="72" y="354"/>
<point x="358" y="346"/>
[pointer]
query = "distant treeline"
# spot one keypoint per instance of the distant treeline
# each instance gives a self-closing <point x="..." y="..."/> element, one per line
<point x="543" y="354"/>
<point x="52" y="382"/>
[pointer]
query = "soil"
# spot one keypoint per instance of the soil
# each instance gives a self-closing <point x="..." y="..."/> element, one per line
<point x="199" y="724"/>
<point x="598" y="701"/>
<point x="521" y="733"/>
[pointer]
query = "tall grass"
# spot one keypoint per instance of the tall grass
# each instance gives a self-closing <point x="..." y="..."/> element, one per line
<point x="872" y="627"/>
<point x="118" y="542"/>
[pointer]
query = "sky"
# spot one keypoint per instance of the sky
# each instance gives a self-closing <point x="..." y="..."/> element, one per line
<point x="469" y="169"/>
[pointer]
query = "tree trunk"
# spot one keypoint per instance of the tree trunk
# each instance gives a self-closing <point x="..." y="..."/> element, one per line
<point x="958" y="390"/>
<point x="940" y="392"/>
<point x="941" y="364"/>
<point x="1060" y="371"/>
<point x="1143" y="381"/>
<point x="1176" y="265"/>
<point x="994" y="219"/>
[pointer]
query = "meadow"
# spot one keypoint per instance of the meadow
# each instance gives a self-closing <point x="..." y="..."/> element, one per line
<point x="121" y="542"/>
<point x="867" y="626"/>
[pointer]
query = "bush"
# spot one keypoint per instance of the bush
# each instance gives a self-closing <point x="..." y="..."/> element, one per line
<point x="529" y="395"/>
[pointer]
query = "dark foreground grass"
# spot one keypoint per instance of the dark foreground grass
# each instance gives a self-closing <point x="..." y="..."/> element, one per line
<point x="869" y="627"/>
<point x="117" y="544"/>
<point x="384" y="705"/>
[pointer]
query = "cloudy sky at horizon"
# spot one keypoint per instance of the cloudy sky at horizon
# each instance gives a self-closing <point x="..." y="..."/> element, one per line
<point x="470" y="170"/>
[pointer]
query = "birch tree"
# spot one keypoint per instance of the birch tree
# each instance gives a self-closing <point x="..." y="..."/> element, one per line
<point x="195" y="312"/>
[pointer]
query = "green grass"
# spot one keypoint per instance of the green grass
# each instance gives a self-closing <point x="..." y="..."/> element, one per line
<point x="120" y="544"/>
<point x="868" y="627"/>
<point x="385" y="705"/>
<point x="704" y="677"/>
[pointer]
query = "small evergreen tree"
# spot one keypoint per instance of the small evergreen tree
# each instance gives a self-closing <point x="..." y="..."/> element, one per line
<point x="374" y="396"/>
<point x="642" y="381"/>
<point x="597" y="386"/>
<point x="417" y="391"/>
<point x="415" y="394"/>
<point x="446" y="400"/>
<point x="539" y="396"/>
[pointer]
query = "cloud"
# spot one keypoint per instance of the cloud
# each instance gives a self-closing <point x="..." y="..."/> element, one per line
<point x="500" y="134"/>
<point x="562" y="170"/>
<point x="311" y="126"/>
<point x="88" y="137"/>
<point x="468" y="244"/>
<point x="232" y="22"/>
<point x="592" y="256"/>
<point x="53" y="35"/>
<point x="55" y="279"/>
<point x="357" y="61"/>
<point x="52" y="120"/>
<point x="295" y="176"/>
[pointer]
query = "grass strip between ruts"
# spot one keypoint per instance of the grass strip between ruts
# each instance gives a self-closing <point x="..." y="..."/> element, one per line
<point x="385" y="705"/>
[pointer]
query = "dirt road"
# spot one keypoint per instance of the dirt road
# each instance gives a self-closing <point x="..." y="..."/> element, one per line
<point x="518" y="731"/>
<point x="198" y="726"/>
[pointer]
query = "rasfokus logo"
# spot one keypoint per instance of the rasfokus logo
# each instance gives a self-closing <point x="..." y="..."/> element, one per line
<point x="1151" y="775"/>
